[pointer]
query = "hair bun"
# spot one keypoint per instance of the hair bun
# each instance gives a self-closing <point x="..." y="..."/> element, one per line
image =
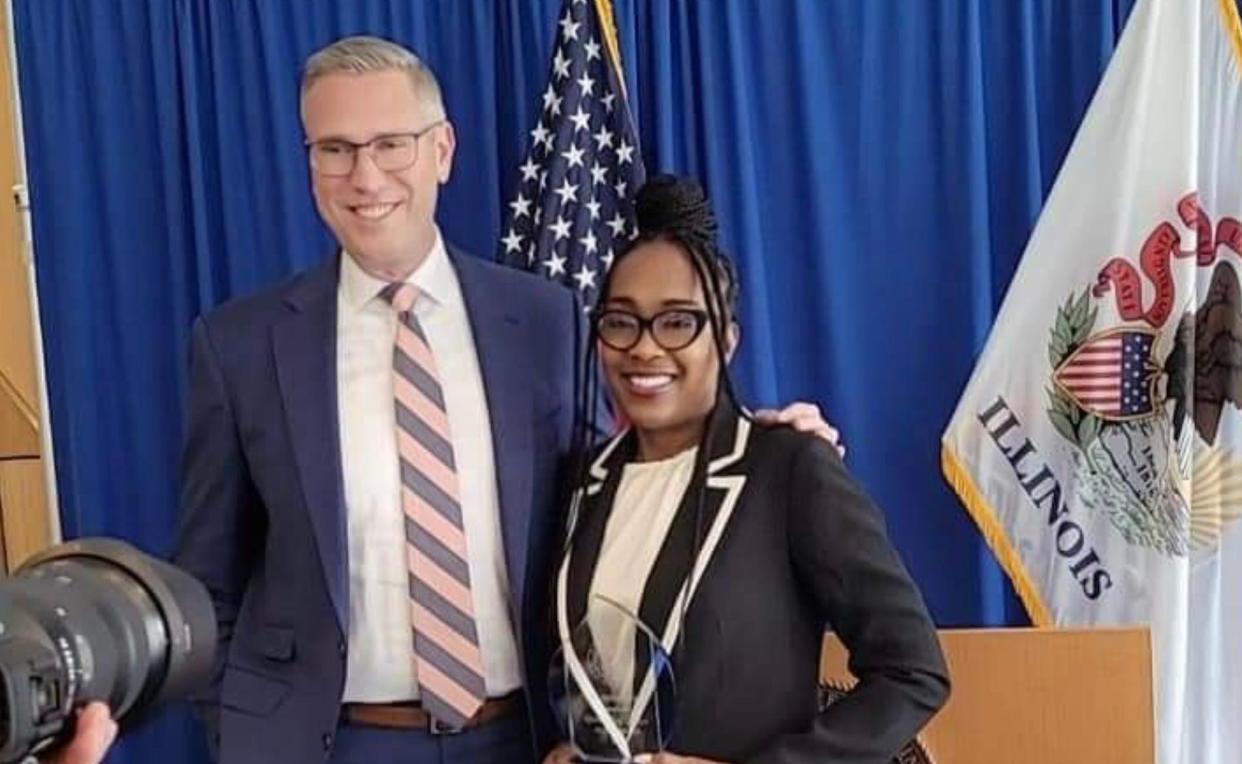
<point x="668" y="204"/>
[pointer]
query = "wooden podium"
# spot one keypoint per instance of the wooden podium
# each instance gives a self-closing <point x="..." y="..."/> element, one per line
<point x="1038" y="696"/>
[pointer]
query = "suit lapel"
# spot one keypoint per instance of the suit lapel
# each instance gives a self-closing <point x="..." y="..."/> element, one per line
<point x="726" y="477"/>
<point x="589" y="518"/>
<point x="692" y="540"/>
<point x="682" y="560"/>
<point x="502" y="344"/>
<point x="691" y="544"/>
<point x="304" y="345"/>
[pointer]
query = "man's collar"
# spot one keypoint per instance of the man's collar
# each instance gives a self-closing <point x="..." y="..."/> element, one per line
<point x="434" y="278"/>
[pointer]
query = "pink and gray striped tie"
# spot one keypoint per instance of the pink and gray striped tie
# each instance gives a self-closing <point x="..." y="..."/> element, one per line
<point x="446" y="644"/>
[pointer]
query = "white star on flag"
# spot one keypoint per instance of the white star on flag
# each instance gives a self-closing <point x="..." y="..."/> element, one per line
<point x="561" y="228"/>
<point x="574" y="177"/>
<point x="573" y="156"/>
<point x="586" y="84"/>
<point x="585" y="277"/>
<point x="625" y="152"/>
<point x="513" y="242"/>
<point x="539" y="134"/>
<point x="560" y="65"/>
<point x="567" y="191"/>
<point x="569" y="28"/>
<point x="555" y="265"/>
<point x="589" y="242"/>
<point x="554" y="106"/>
<point x="581" y="120"/>
<point x="520" y="206"/>
<point x="530" y="170"/>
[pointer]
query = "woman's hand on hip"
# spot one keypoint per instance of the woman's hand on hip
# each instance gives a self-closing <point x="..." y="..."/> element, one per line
<point x="562" y="754"/>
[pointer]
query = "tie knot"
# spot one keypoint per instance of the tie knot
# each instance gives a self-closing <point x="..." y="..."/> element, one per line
<point x="401" y="296"/>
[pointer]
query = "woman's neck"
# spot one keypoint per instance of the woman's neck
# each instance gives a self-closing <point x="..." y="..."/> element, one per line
<point x="655" y="445"/>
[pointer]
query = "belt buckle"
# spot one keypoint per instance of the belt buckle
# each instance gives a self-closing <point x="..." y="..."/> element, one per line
<point x="437" y="728"/>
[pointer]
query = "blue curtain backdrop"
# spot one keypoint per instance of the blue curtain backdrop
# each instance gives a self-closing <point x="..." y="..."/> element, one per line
<point x="877" y="166"/>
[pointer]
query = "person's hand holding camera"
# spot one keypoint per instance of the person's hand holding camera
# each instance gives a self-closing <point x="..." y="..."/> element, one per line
<point x="92" y="736"/>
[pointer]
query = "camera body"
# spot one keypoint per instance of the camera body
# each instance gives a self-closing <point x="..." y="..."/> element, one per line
<point x="96" y="619"/>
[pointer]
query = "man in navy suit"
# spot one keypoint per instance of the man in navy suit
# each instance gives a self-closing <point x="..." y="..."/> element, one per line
<point x="372" y="458"/>
<point x="297" y="498"/>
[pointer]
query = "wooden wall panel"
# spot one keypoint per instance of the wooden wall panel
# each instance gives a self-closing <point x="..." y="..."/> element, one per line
<point x="22" y="497"/>
<point x="25" y="525"/>
<point x="17" y="353"/>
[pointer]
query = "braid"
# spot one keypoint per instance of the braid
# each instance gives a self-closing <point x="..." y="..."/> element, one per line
<point x="670" y="206"/>
<point x="677" y="210"/>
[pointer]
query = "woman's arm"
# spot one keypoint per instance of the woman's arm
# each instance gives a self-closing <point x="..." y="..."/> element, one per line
<point x="843" y="557"/>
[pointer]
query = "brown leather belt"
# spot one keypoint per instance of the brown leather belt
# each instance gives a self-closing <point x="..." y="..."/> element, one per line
<point x="412" y="716"/>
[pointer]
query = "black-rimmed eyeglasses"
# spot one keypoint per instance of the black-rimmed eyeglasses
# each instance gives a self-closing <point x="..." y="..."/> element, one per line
<point x="671" y="329"/>
<point x="391" y="152"/>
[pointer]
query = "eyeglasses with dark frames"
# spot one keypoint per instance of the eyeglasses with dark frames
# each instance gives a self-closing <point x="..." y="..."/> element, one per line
<point x="671" y="329"/>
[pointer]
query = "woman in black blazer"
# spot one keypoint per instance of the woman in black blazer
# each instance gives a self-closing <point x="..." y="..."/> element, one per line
<point x="735" y="542"/>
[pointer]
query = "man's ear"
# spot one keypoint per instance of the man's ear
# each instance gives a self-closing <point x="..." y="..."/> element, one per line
<point x="445" y="145"/>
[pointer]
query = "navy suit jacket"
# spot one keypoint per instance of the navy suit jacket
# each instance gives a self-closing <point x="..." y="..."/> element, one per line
<point x="263" y="516"/>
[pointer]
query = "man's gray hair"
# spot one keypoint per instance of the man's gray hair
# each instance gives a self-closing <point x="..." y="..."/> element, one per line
<point x="360" y="55"/>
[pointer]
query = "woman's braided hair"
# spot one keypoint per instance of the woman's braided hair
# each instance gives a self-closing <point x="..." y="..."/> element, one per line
<point x="676" y="209"/>
<point x="673" y="209"/>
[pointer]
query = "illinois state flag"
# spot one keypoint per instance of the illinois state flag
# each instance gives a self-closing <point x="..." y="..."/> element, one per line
<point x="1098" y="444"/>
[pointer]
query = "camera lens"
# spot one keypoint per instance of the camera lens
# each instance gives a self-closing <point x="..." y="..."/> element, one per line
<point x="96" y="620"/>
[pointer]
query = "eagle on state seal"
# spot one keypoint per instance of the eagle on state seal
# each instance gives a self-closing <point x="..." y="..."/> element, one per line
<point x="1141" y="423"/>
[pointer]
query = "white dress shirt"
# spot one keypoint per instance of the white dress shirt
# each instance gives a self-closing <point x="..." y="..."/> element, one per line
<point x="643" y="510"/>
<point x="381" y="663"/>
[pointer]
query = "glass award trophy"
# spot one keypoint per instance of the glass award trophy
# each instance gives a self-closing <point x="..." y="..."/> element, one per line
<point x="611" y="686"/>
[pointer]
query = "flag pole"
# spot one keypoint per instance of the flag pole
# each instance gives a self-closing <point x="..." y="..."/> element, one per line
<point x="1233" y="27"/>
<point x="608" y="28"/>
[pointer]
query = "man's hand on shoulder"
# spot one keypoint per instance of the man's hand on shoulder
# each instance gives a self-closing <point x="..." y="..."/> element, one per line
<point x="803" y="417"/>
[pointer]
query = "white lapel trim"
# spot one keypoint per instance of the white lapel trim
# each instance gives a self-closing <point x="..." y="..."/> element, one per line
<point x="740" y="439"/>
<point x="732" y="485"/>
<point x="597" y="471"/>
<point x="574" y="666"/>
<point x="598" y="475"/>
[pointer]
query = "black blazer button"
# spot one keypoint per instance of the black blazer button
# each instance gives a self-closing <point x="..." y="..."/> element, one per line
<point x="327" y="741"/>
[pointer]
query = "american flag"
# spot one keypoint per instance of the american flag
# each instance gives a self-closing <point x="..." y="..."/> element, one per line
<point x="1112" y="374"/>
<point x="575" y="200"/>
